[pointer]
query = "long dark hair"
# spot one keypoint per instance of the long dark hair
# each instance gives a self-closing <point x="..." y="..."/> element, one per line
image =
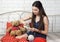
<point x="42" y="13"/>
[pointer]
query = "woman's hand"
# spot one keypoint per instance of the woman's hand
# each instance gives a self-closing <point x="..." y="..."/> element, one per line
<point x="32" y="29"/>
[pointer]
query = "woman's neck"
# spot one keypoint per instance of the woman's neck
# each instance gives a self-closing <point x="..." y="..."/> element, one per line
<point x="37" y="15"/>
<point x="37" y="18"/>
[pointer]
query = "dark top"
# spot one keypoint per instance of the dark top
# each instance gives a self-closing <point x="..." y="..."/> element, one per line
<point x="36" y="34"/>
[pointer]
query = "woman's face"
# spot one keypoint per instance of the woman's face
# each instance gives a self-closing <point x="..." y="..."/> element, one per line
<point x="35" y="10"/>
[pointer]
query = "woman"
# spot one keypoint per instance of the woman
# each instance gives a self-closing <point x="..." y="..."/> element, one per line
<point x="39" y="21"/>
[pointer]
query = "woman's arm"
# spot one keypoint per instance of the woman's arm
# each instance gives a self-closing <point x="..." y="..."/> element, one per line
<point x="28" y="19"/>
<point x="46" y="23"/>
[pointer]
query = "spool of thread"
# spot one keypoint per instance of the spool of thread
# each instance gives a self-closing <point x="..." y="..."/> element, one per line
<point x="30" y="38"/>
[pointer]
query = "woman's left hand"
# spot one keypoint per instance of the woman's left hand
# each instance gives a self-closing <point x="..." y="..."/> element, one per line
<point x="32" y="29"/>
<point x="36" y="30"/>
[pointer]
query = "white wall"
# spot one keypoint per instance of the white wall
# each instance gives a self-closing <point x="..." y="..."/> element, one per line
<point x="51" y="7"/>
<point x="11" y="5"/>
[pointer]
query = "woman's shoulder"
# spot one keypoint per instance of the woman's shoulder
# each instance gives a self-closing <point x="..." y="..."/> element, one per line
<point x="45" y="18"/>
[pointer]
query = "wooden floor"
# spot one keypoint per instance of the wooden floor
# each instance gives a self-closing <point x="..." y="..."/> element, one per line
<point x="52" y="37"/>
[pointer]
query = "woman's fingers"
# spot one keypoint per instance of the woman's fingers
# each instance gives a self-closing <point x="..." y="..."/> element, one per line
<point x="31" y="29"/>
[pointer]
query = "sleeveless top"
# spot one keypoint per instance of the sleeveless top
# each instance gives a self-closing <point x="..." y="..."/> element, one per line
<point x="36" y="34"/>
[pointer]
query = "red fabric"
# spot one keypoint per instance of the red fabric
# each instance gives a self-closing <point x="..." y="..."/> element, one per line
<point x="8" y="38"/>
<point x="9" y="24"/>
<point x="22" y="40"/>
<point x="22" y="25"/>
<point x="39" y="39"/>
<point x="15" y="28"/>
